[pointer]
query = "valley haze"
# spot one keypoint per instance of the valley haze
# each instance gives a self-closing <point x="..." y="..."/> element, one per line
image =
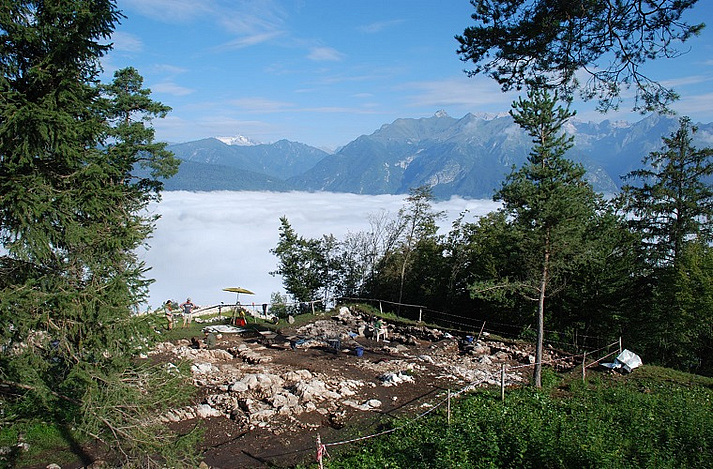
<point x="207" y="241"/>
<point x="219" y="217"/>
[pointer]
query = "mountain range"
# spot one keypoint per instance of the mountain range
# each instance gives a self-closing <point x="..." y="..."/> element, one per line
<point x="468" y="157"/>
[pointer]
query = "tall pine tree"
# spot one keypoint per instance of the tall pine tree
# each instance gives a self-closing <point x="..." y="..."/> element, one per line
<point x="670" y="203"/>
<point x="550" y="207"/>
<point x="71" y="219"/>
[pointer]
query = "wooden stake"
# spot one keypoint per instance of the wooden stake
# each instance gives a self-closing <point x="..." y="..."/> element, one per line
<point x="420" y="314"/>
<point x="448" y="406"/>
<point x="481" y="330"/>
<point x="584" y="367"/>
<point x="502" y="382"/>
<point x="319" y="452"/>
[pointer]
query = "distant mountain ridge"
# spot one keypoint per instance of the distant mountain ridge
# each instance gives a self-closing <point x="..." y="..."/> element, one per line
<point x="468" y="157"/>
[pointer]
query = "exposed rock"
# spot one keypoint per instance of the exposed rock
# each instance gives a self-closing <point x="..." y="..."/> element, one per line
<point x="393" y="379"/>
<point x="246" y="382"/>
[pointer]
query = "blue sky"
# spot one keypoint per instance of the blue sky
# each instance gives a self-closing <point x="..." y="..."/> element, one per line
<point x="325" y="72"/>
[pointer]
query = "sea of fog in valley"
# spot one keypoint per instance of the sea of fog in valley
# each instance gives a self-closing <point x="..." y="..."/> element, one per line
<point x="206" y="241"/>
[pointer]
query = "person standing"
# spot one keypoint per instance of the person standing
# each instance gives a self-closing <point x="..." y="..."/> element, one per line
<point x="168" y="309"/>
<point x="187" y="307"/>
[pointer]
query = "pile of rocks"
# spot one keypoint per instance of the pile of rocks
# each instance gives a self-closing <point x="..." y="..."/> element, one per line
<point x="245" y="383"/>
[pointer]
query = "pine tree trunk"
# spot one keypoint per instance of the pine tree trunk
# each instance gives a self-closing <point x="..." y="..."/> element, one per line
<point x="537" y="377"/>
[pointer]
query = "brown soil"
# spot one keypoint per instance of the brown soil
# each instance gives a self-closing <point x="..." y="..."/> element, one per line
<point x="431" y="361"/>
<point x="229" y="444"/>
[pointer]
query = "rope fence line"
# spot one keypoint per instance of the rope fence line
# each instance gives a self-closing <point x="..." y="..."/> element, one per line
<point x="421" y="308"/>
<point x="321" y="447"/>
<point x="471" y="323"/>
<point x="472" y="320"/>
<point x="568" y="357"/>
<point x="595" y="362"/>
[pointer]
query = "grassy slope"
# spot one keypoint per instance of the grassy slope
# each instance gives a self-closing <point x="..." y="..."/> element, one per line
<point x="654" y="417"/>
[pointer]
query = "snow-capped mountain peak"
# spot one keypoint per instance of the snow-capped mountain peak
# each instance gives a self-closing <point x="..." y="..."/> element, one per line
<point x="239" y="140"/>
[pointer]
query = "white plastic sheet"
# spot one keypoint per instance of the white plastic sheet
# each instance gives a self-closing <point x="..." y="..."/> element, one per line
<point x="627" y="360"/>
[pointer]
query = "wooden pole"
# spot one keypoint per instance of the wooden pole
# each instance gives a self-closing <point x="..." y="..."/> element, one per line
<point x="584" y="367"/>
<point x="481" y="330"/>
<point x="502" y="382"/>
<point x="381" y="309"/>
<point x="319" y="452"/>
<point x="448" y="406"/>
<point x="620" y="350"/>
<point x="575" y="339"/>
<point x="420" y="314"/>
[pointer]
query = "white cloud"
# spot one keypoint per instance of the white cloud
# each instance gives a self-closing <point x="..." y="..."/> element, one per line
<point x="170" y="69"/>
<point x="379" y="26"/>
<point x="176" y="129"/>
<point x="171" y="88"/>
<point x="126" y="42"/>
<point x="325" y="54"/>
<point x="247" y="41"/>
<point x="261" y="105"/>
<point x="169" y="11"/>
<point x="207" y="241"/>
<point x="698" y="107"/>
<point x="471" y="93"/>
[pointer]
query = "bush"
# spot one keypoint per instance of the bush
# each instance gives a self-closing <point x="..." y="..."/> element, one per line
<point x="647" y="419"/>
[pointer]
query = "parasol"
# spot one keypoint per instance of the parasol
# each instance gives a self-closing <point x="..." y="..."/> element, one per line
<point x="238" y="290"/>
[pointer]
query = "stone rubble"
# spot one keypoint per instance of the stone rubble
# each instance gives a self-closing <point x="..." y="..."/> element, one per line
<point x="243" y="382"/>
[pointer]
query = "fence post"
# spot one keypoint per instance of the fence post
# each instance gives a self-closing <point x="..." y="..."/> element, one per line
<point x="502" y="382"/>
<point x="584" y="367"/>
<point x="620" y="350"/>
<point x="381" y="310"/>
<point x="420" y="314"/>
<point x="448" y="406"/>
<point x="481" y="330"/>
<point x="319" y="451"/>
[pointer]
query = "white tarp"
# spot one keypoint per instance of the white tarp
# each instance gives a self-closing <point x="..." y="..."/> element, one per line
<point x="223" y="329"/>
<point x="627" y="360"/>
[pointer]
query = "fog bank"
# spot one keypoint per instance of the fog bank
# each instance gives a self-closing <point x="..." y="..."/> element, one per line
<point x="206" y="241"/>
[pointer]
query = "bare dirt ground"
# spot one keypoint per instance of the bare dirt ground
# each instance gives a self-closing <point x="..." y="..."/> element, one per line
<point x="264" y="399"/>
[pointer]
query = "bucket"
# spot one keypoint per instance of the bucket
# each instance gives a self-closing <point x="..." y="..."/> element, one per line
<point x="359" y="351"/>
<point x="240" y="322"/>
<point x="469" y="339"/>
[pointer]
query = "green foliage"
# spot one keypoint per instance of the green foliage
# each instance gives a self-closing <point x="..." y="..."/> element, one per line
<point x="42" y="438"/>
<point x="72" y="217"/>
<point x="671" y="198"/>
<point x="278" y="304"/>
<point x="661" y="419"/>
<point x="549" y="209"/>
<point x="670" y="202"/>
<point x="549" y="43"/>
<point x="302" y="263"/>
<point x="410" y="259"/>
<point x="131" y="404"/>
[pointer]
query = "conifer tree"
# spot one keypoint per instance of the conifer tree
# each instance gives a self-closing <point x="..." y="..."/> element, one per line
<point x="670" y="203"/>
<point x="71" y="219"/>
<point x="594" y="46"/>
<point x="550" y="207"/>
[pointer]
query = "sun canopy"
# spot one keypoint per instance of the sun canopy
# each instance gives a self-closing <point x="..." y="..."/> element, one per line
<point x="238" y="290"/>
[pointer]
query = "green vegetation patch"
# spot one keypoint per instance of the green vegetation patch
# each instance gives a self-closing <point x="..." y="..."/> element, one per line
<point x="654" y="418"/>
